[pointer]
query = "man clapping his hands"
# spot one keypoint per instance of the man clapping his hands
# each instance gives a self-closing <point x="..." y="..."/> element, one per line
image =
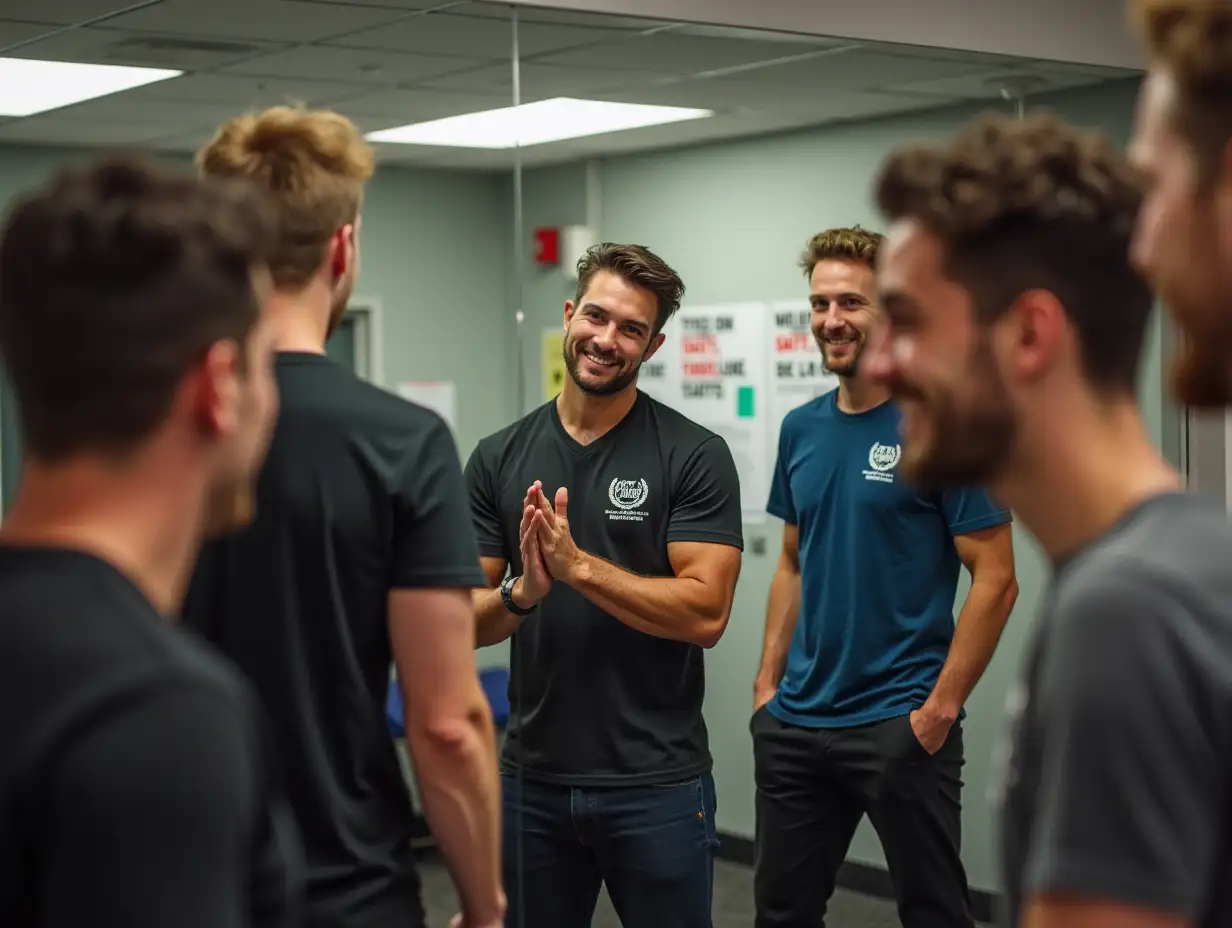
<point x="614" y="587"/>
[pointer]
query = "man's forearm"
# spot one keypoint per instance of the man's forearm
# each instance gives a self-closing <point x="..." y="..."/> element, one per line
<point x="493" y="622"/>
<point x="679" y="608"/>
<point x="459" y="784"/>
<point x="975" y="640"/>
<point x="782" y="612"/>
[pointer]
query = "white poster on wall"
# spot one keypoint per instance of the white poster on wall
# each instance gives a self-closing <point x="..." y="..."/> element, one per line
<point x="796" y="372"/>
<point x="441" y="396"/>
<point x="713" y="370"/>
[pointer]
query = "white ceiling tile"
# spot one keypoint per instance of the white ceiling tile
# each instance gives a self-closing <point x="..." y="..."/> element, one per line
<point x="61" y="12"/>
<point x="534" y="14"/>
<point x="400" y="107"/>
<point x="402" y="5"/>
<point x="672" y="53"/>
<point x="11" y="33"/>
<point x="441" y="33"/>
<point x="987" y="85"/>
<point x="98" y="45"/>
<point x="173" y="115"/>
<point x="856" y="68"/>
<point x="53" y="130"/>
<point x="722" y="94"/>
<point x="273" y="20"/>
<point x="243" y="92"/>
<point x="329" y="62"/>
<point x="539" y="81"/>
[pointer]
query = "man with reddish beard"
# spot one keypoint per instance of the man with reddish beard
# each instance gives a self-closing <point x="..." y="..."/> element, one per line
<point x="863" y="676"/>
<point x="1183" y="144"/>
<point x="1013" y="341"/>
<point x="621" y="521"/>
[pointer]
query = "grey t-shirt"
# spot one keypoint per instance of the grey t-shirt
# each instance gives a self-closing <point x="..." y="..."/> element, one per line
<point x="1115" y="776"/>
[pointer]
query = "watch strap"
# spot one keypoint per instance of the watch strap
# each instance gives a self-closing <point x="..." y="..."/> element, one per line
<point x="506" y="592"/>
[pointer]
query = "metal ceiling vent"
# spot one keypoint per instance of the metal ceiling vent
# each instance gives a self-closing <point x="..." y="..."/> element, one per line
<point x="168" y="49"/>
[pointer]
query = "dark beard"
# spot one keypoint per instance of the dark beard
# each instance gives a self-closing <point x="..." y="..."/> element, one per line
<point x="610" y="388"/>
<point x="972" y="442"/>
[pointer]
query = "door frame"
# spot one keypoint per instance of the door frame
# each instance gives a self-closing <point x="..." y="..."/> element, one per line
<point x="367" y="316"/>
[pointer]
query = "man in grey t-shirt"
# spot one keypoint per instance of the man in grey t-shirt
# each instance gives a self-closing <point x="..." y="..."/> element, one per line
<point x="1012" y="341"/>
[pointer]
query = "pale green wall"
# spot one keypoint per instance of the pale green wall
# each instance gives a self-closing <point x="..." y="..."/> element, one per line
<point x="732" y="218"/>
<point x="435" y="252"/>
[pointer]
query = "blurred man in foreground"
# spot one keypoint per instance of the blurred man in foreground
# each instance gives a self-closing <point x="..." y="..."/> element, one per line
<point x="135" y="787"/>
<point x="1014" y="336"/>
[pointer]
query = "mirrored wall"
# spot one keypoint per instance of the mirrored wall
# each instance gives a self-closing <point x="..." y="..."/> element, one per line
<point x="511" y="138"/>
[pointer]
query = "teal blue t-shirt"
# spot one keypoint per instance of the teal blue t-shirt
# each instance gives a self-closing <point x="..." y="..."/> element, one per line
<point x="879" y="569"/>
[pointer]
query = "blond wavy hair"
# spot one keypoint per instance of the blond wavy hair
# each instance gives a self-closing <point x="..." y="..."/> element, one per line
<point x="313" y="164"/>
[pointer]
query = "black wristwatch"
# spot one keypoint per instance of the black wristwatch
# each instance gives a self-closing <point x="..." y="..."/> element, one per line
<point x="506" y="591"/>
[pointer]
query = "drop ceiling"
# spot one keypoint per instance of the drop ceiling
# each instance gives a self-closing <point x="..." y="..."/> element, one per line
<point x="387" y="63"/>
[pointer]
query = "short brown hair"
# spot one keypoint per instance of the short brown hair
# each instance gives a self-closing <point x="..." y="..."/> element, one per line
<point x="116" y="277"/>
<point x="1034" y="204"/>
<point x="845" y="244"/>
<point x="313" y="163"/>
<point x="1192" y="40"/>
<point x="637" y="265"/>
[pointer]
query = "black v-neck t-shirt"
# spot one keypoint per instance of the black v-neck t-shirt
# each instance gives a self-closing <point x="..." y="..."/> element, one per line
<point x="134" y="784"/>
<point x="594" y="701"/>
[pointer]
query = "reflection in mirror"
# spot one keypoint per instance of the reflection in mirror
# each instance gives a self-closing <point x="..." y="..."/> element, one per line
<point x="722" y="151"/>
<point x="511" y="139"/>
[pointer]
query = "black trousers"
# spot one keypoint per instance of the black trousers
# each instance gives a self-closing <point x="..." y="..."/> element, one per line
<point x="814" y="786"/>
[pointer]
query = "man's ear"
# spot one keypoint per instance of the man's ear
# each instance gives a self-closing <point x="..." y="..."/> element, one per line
<point x="217" y="399"/>
<point x="341" y="246"/>
<point x="656" y="342"/>
<point x="1038" y="327"/>
<point x="570" y="308"/>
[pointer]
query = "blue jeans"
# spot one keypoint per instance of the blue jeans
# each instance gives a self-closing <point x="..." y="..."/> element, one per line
<point x="653" y="846"/>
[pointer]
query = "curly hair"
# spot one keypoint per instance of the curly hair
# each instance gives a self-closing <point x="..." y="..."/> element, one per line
<point x="846" y="244"/>
<point x="312" y="163"/>
<point x="1192" y="41"/>
<point x="1030" y="205"/>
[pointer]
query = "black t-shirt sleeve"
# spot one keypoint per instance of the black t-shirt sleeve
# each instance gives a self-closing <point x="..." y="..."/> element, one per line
<point x="485" y="505"/>
<point x="434" y="542"/>
<point x="706" y="501"/>
<point x="154" y="818"/>
<point x="1132" y="765"/>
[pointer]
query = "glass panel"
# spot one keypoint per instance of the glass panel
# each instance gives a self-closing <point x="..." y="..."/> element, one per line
<point x="792" y="131"/>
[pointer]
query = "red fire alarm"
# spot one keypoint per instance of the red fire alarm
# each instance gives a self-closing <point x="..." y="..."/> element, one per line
<point x="547" y="246"/>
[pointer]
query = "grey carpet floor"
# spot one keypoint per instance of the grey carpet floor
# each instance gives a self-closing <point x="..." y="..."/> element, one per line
<point x="733" y="902"/>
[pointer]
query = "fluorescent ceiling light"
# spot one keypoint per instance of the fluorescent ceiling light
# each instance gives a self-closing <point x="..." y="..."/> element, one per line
<point x="28" y="86"/>
<point x="535" y="124"/>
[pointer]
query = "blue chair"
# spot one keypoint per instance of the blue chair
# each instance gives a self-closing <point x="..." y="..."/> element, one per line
<point x="495" y="683"/>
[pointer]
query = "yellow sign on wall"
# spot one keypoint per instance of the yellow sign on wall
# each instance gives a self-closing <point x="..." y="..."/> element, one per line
<point x="553" y="362"/>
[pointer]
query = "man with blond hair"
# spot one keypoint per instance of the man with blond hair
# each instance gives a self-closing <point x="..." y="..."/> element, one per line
<point x="362" y="548"/>
<point x="859" y="699"/>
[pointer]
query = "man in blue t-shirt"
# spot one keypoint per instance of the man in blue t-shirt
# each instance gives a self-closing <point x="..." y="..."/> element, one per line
<point x="864" y="673"/>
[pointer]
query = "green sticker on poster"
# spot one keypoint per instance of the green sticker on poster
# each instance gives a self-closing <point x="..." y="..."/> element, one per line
<point x="744" y="402"/>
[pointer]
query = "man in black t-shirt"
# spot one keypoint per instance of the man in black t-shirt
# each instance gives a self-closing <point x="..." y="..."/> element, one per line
<point x="361" y="549"/>
<point x="620" y="519"/>
<point x="134" y="785"/>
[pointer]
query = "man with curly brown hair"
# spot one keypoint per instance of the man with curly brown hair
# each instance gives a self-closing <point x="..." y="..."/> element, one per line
<point x="1183" y="143"/>
<point x="858" y="701"/>
<point x="1013" y="338"/>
